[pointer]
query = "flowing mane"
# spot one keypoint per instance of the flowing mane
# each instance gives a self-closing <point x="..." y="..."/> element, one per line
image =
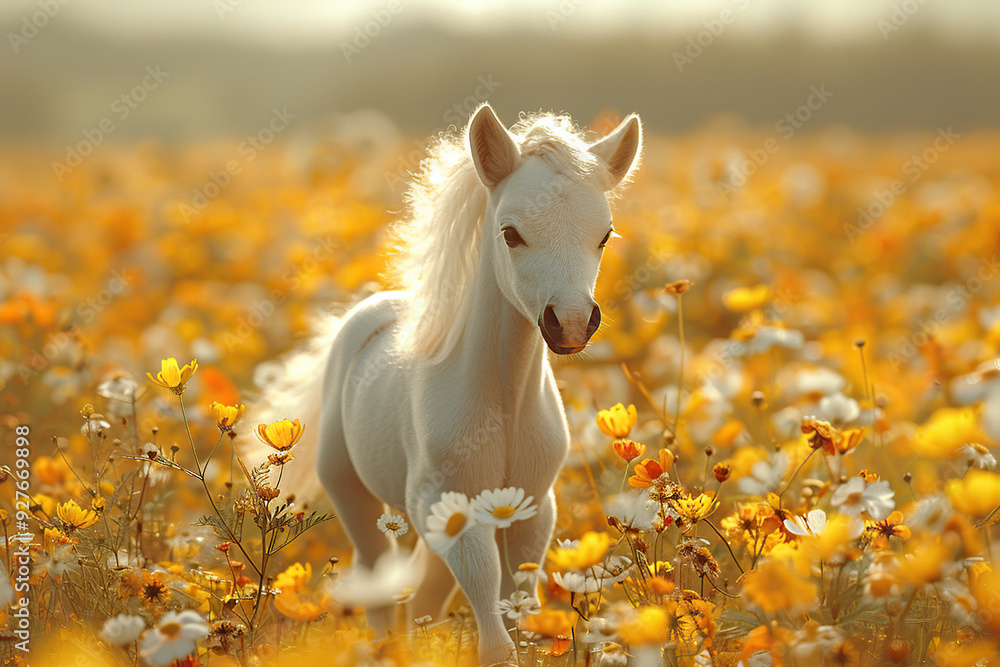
<point x="439" y="237"/>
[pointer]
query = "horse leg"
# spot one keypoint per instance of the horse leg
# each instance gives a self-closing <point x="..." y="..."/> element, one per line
<point x="475" y="564"/>
<point x="357" y="508"/>
<point x="437" y="586"/>
<point x="528" y="541"/>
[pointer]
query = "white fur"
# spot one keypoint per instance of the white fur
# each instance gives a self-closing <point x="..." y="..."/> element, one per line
<point x="446" y="385"/>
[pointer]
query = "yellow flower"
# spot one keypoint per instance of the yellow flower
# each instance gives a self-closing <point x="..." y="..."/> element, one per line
<point x="226" y="416"/>
<point x="171" y="376"/>
<point x="745" y="299"/>
<point x="295" y="577"/>
<point x="774" y="587"/>
<point x="617" y="422"/>
<point x="650" y="626"/>
<point x="693" y="510"/>
<point x="985" y="587"/>
<point x="924" y="564"/>
<point x="593" y="547"/>
<point x="892" y="526"/>
<point x="282" y="435"/>
<point x="943" y="435"/>
<point x="975" y="495"/>
<point x="294" y="600"/>
<point x="74" y="517"/>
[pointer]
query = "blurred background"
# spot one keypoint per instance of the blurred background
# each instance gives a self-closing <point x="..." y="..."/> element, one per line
<point x="227" y="64"/>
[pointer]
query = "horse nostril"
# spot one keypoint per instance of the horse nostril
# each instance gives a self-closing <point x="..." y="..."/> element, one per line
<point x="550" y="320"/>
<point x="595" y="321"/>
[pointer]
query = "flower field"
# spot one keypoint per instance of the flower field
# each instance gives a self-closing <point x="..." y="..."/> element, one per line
<point x="783" y="435"/>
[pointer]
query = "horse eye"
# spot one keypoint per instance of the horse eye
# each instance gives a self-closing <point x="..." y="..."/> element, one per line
<point x="512" y="238"/>
<point x="607" y="237"/>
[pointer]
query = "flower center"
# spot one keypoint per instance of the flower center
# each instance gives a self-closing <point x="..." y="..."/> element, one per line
<point x="455" y="524"/>
<point x="170" y="629"/>
<point x="503" y="512"/>
<point x="392" y="525"/>
<point x="854" y="498"/>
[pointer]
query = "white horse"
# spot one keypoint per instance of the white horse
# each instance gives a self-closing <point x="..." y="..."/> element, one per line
<point x="446" y="386"/>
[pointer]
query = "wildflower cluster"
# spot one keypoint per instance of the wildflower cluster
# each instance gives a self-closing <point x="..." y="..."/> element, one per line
<point x="801" y="468"/>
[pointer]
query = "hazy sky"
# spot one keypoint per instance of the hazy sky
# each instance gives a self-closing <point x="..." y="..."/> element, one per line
<point x="292" y="22"/>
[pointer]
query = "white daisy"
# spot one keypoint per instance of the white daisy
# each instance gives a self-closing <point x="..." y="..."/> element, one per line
<point x="393" y="524"/>
<point x="818" y="381"/>
<point x="449" y="519"/>
<point x="838" y="409"/>
<point x="519" y="605"/>
<point x="633" y="510"/>
<point x="857" y="496"/>
<point x="813" y="523"/>
<point x="174" y="637"/>
<point x="502" y="507"/>
<point x="764" y="476"/>
<point x="94" y="426"/>
<point x="977" y="456"/>
<point x="575" y="581"/>
<point x="530" y="578"/>
<point x="123" y="629"/>
<point x="615" y="571"/>
<point x="393" y="578"/>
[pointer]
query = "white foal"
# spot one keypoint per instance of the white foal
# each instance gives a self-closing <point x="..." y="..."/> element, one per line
<point x="446" y="386"/>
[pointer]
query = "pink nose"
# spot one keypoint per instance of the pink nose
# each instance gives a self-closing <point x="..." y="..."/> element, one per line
<point x="552" y="330"/>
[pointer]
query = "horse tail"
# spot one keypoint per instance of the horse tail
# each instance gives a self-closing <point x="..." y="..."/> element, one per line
<point x="292" y="388"/>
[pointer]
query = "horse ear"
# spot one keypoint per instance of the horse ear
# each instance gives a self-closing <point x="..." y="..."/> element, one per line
<point x="620" y="150"/>
<point x="493" y="149"/>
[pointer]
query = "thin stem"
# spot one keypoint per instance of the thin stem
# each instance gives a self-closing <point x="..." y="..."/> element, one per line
<point x="506" y="555"/>
<point x="187" y="427"/>
<point x="680" y="372"/>
<point x="724" y="541"/>
<point x="789" y="482"/>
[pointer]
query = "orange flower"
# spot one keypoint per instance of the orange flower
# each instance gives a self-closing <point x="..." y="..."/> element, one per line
<point x="629" y="449"/>
<point x="282" y="435"/>
<point x="678" y="287"/>
<point x="648" y="470"/>
<point x="617" y="422"/>
<point x="891" y="526"/>
<point x="821" y="434"/>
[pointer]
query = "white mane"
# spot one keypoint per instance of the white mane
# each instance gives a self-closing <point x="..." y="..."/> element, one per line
<point x="439" y="239"/>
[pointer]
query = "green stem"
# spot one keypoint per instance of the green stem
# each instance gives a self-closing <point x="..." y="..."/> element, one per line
<point x="187" y="428"/>
<point x="506" y="555"/>
<point x="789" y="482"/>
<point x="724" y="541"/>
<point x="680" y="373"/>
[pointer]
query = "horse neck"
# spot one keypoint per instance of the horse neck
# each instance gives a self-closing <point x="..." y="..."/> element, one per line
<point x="501" y="351"/>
